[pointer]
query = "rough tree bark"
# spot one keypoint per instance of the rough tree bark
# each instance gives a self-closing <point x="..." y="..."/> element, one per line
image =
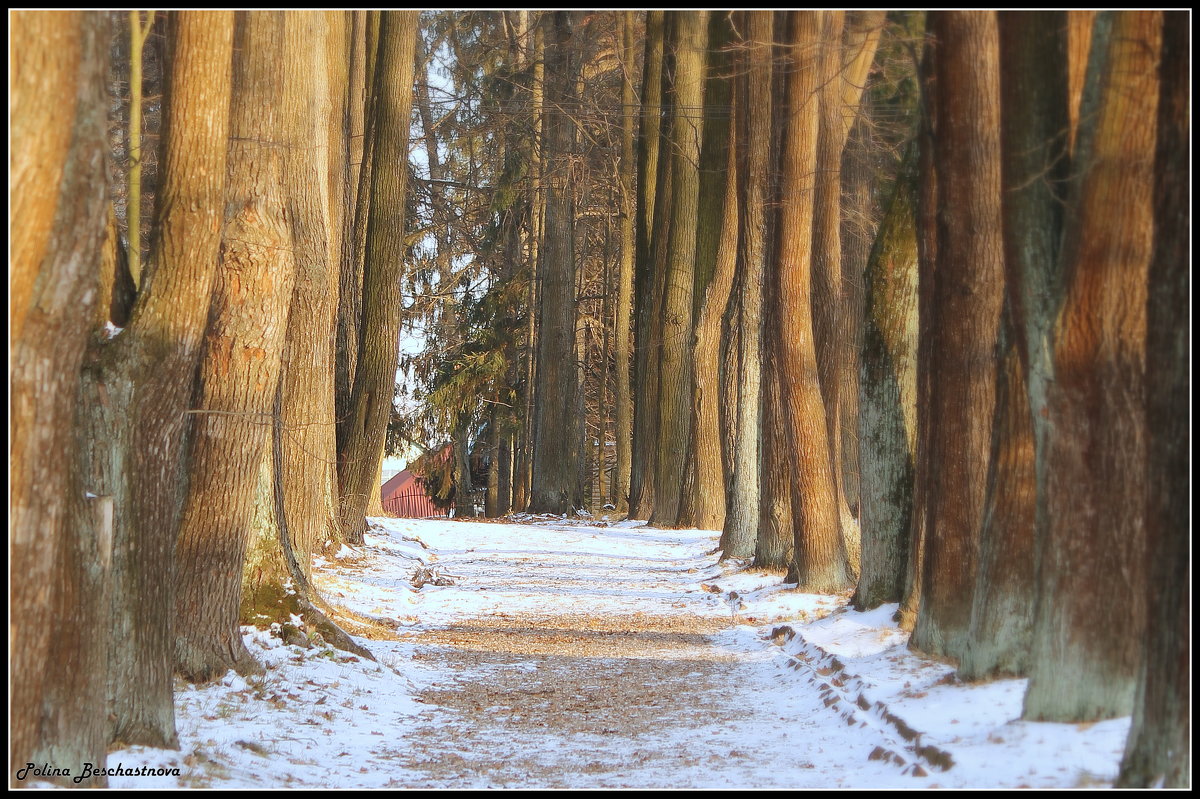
<point x="675" y="372"/>
<point x="654" y="184"/>
<point x="716" y="239"/>
<point x="1092" y="603"/>
<point x="926" y="233"/>
<point x="740" y="532"/>
<point x="240" y="366"/>
<point x="58" y="547"/>
<point x="887" y="398"/>
<point x="556" y="487"/>
<point x="820" y="556"/>
<point x="1033" y="98"/>
<point x="1158" y="751"/>
<point x="141" y="385"/>
<point x="968" y="294"/>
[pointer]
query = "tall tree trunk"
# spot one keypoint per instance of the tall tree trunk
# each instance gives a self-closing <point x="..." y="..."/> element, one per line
<point x="350" y="280"/>
<point x="1092" y="605"/>
<point x="740" y="533"/>
<point x="239" y="369"/>
<point x="820" y="555"/>
<point x="375" y="374"/>
<point x="628" y="169"/>
<point x="888" y="403"/>
<point x="1158" y="751"/>
<point x="861" y="41"/>
<point x="833" y="358"/>
<point x="926" y="233"/>
<point x="308" y="417"/>
<point x="675" y="373"/>
<point x="1033" y="83"/>
<point x="556" y="487"/>
<point x="716" y="250"/>
<point x="968" y="294"/>
<point x="652" y="185"/>
<point x="148" y="375"/>
<point x="59" y="549"/>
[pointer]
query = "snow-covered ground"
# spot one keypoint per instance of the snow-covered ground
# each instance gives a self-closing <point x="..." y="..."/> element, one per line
<point x="576" y="655"/>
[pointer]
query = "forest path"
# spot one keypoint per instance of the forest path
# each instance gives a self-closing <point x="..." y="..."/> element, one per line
<point x="571" y="656"/>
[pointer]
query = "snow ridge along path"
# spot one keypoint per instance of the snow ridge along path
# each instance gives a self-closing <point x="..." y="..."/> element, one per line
<point x="550" y="653"/>
<point x="571" y="656"/>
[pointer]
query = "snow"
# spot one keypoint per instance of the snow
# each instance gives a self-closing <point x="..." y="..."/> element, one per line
<point x="594" y="654"/>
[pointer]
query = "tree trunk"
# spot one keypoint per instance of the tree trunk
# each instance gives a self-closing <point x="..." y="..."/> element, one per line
<point x="716" y="251"/>
<point x="375" y="373"/>
<point x="628" y="168"/>
<point x="148" y="376"/>
<point x="654" y="173"/>
<point x="675" y="384"/>
<point x="968" y="294"/>
<point x="833" y="359"/>
<point x="239" y="369"/>
<point x="1158" y="751"/>
<point x="41" y="136"/>
<point x="888" y="404"/>
<point x="740" y="533"/>
<point x="556" y="486"/>
<point x="1033" y="82"/>
<point x="926" y="234"/>
<point x="820" y="555"/>
<point x="58" y="548"/>
<point x="1091" y="610"/>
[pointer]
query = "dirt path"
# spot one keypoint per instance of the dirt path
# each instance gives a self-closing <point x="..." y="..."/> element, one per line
<point x="581" y="667"/>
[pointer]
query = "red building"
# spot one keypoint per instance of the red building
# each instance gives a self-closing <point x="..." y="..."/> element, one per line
<point x="403" y="496"/>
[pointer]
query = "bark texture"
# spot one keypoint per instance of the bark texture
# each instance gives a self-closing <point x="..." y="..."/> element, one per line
<point x="740" y="533"/>
<point x="239" y="369"/>
<point x="887" y="401"/>
<point x="820" y="556"/>
<point x="58" y="549"/>
<point x="149" y="373"/>
<point x="1092" y="605"/>
<point x="968" y="294"/>
<point x="1158" y="751"/>
<point x="556" y="486"/>
<point x="675" y="369"/>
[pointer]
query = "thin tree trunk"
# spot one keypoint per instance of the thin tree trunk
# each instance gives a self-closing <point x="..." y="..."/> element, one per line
<point x="926" y="232"/>
<point x="652" y="183"/>
<point x="375" y="374"/>
<point x="624" y="398"/>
